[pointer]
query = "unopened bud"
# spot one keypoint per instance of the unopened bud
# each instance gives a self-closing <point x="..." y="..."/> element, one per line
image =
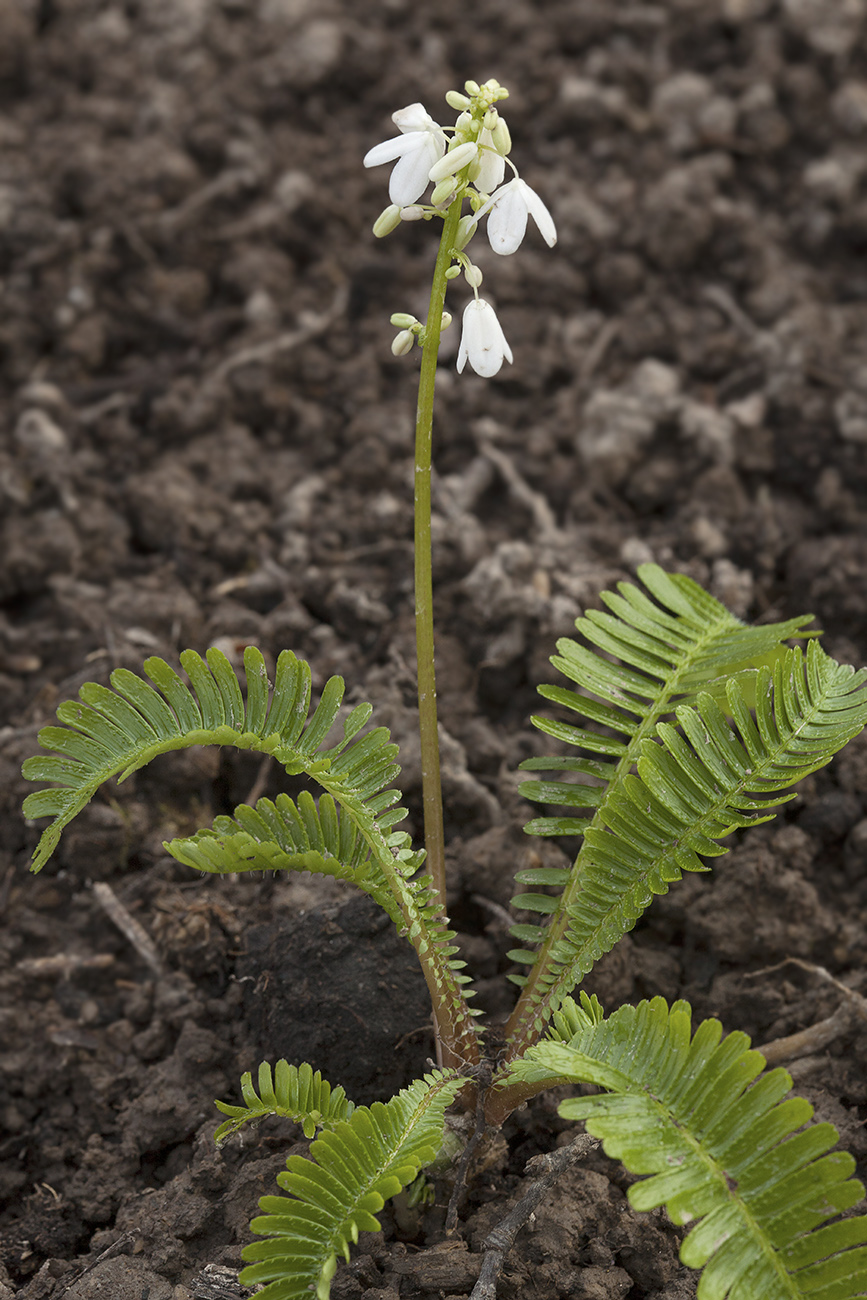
<point x="456" y="100"/>
<point x="444" y="192"/>
<point x="473" y="276"/>
<point x="401" y="320"/>
<point x="446" y="320"/>
<point x="500" y="138"/>
<point x="452" y="162"/>
<point x="414" y="212"/>
<point x="402" y="343"/>
<point x="491" y="119"/>
<point x="453" y="272"/>
<point x="465" y="231"/>
<point x="463" y="123"/>
<point x="472" y="87"/>
<point x="387" y="221"/>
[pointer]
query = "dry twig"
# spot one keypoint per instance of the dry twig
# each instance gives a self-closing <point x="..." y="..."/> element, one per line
<point x="128" y="925"/>
<point x="548" y="1168"/>
<point x="815" y="1037"/>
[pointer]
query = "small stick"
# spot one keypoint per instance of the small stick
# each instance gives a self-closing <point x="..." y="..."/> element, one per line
<point x="64" y="963"/>
<point x="128" y="926"/>
<point x="464" y="1164"/>
<point x="543" y="515"/>
<point x="806" y="1042"/>
<point x="548" y="1168"/>
<point x="258" y="787"/>
<point x="261" y="353"/>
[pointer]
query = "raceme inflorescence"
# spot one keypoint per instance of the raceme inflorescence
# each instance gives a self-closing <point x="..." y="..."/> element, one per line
<point x="463" y="163"/>
<point x="681" y="724"/>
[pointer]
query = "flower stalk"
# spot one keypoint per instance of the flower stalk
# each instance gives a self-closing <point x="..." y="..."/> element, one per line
<point x="424" y="623"/>
<point x="468" y="167"/>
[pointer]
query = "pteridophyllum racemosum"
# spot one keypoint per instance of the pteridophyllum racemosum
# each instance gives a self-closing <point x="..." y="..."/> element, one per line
<point x="686" y="725"/>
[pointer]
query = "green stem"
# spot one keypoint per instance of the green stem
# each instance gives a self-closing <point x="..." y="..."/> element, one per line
<point x="424" y="627"/>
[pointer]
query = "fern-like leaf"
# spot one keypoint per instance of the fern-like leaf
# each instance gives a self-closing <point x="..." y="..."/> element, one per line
<point x="111" y="732"/>
<point x="290" y="835"/>
<point x="726" y="1152"/>
<point x="294" y="1092"/>
<point x="664" y="797"/>
<point x="352" y="1171"/>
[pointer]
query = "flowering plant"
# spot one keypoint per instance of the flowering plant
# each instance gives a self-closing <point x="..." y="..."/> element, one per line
<point x="692" y="725"/>
<point x="469" y="167"/>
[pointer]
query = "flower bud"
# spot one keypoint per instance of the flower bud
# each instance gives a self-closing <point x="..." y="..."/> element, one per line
<point x="413" y="212"/>
<point x="491" y="119"/>
<point x="464" y="121"/>
<point x="401" y="320"/>
<point x="453" y="161"/>
<point x="456" y="100"/>
<point x="447" y="320"/>
<point x="453" y="272"/>
<point x="444" y="192"/>
<point x="472" y="87"/>
<point x="402" y="343"/>
<point x="466" y="230"/>
<point x="387" y="221"/>
<point x="473" y="275"/>
<point x="500" y="137"/>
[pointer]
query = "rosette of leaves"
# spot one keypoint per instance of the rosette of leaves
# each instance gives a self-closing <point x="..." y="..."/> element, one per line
<point x="682" y="724"/>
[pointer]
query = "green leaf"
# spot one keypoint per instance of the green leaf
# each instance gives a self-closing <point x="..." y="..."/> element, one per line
<point x="689" y="766"/>
<point x="353" y="1168"/>
<point x="726" y="1152"/>
<point x="293" y="1092"/>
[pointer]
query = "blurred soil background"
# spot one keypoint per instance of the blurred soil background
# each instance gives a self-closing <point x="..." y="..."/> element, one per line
<point x="205" y="440"/>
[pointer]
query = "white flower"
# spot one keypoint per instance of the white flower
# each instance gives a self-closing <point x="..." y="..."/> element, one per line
<point x="419" y="147"/>
<point x="508" y="210"/>
<point x="483" y="342"/>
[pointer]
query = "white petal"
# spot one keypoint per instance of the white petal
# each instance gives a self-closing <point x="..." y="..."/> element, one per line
<point x="507" y="220"/>
<point x="414" y="117"/>
<point x="540" y="215"/>
<point x="409" y="180"/>
<point x="396" y="147"/>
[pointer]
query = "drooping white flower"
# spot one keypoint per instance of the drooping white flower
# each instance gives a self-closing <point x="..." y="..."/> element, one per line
<point x="483" y="342"/>
<point x="508" y="210"/>
<point x="419" y="147"/>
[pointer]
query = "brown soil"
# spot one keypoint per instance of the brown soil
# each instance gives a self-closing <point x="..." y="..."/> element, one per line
<point x="205" y="439"/>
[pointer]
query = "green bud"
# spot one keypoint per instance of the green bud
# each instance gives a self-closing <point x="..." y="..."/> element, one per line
<point x="472" y="87"/>
<point x="456" y="100"/>
<point x="466" y="230"/>
<point x="500" y="138"/>
<point x="444" y="191"/>
<point x="387" y="221"/>
<point x="453" y="272"/>
<point x="491" y="119"/>
<point x="456" y="158"/>
<point x="447" y="320"/>
<point x="473" y="276"/>
<point x="401" y="320"/>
